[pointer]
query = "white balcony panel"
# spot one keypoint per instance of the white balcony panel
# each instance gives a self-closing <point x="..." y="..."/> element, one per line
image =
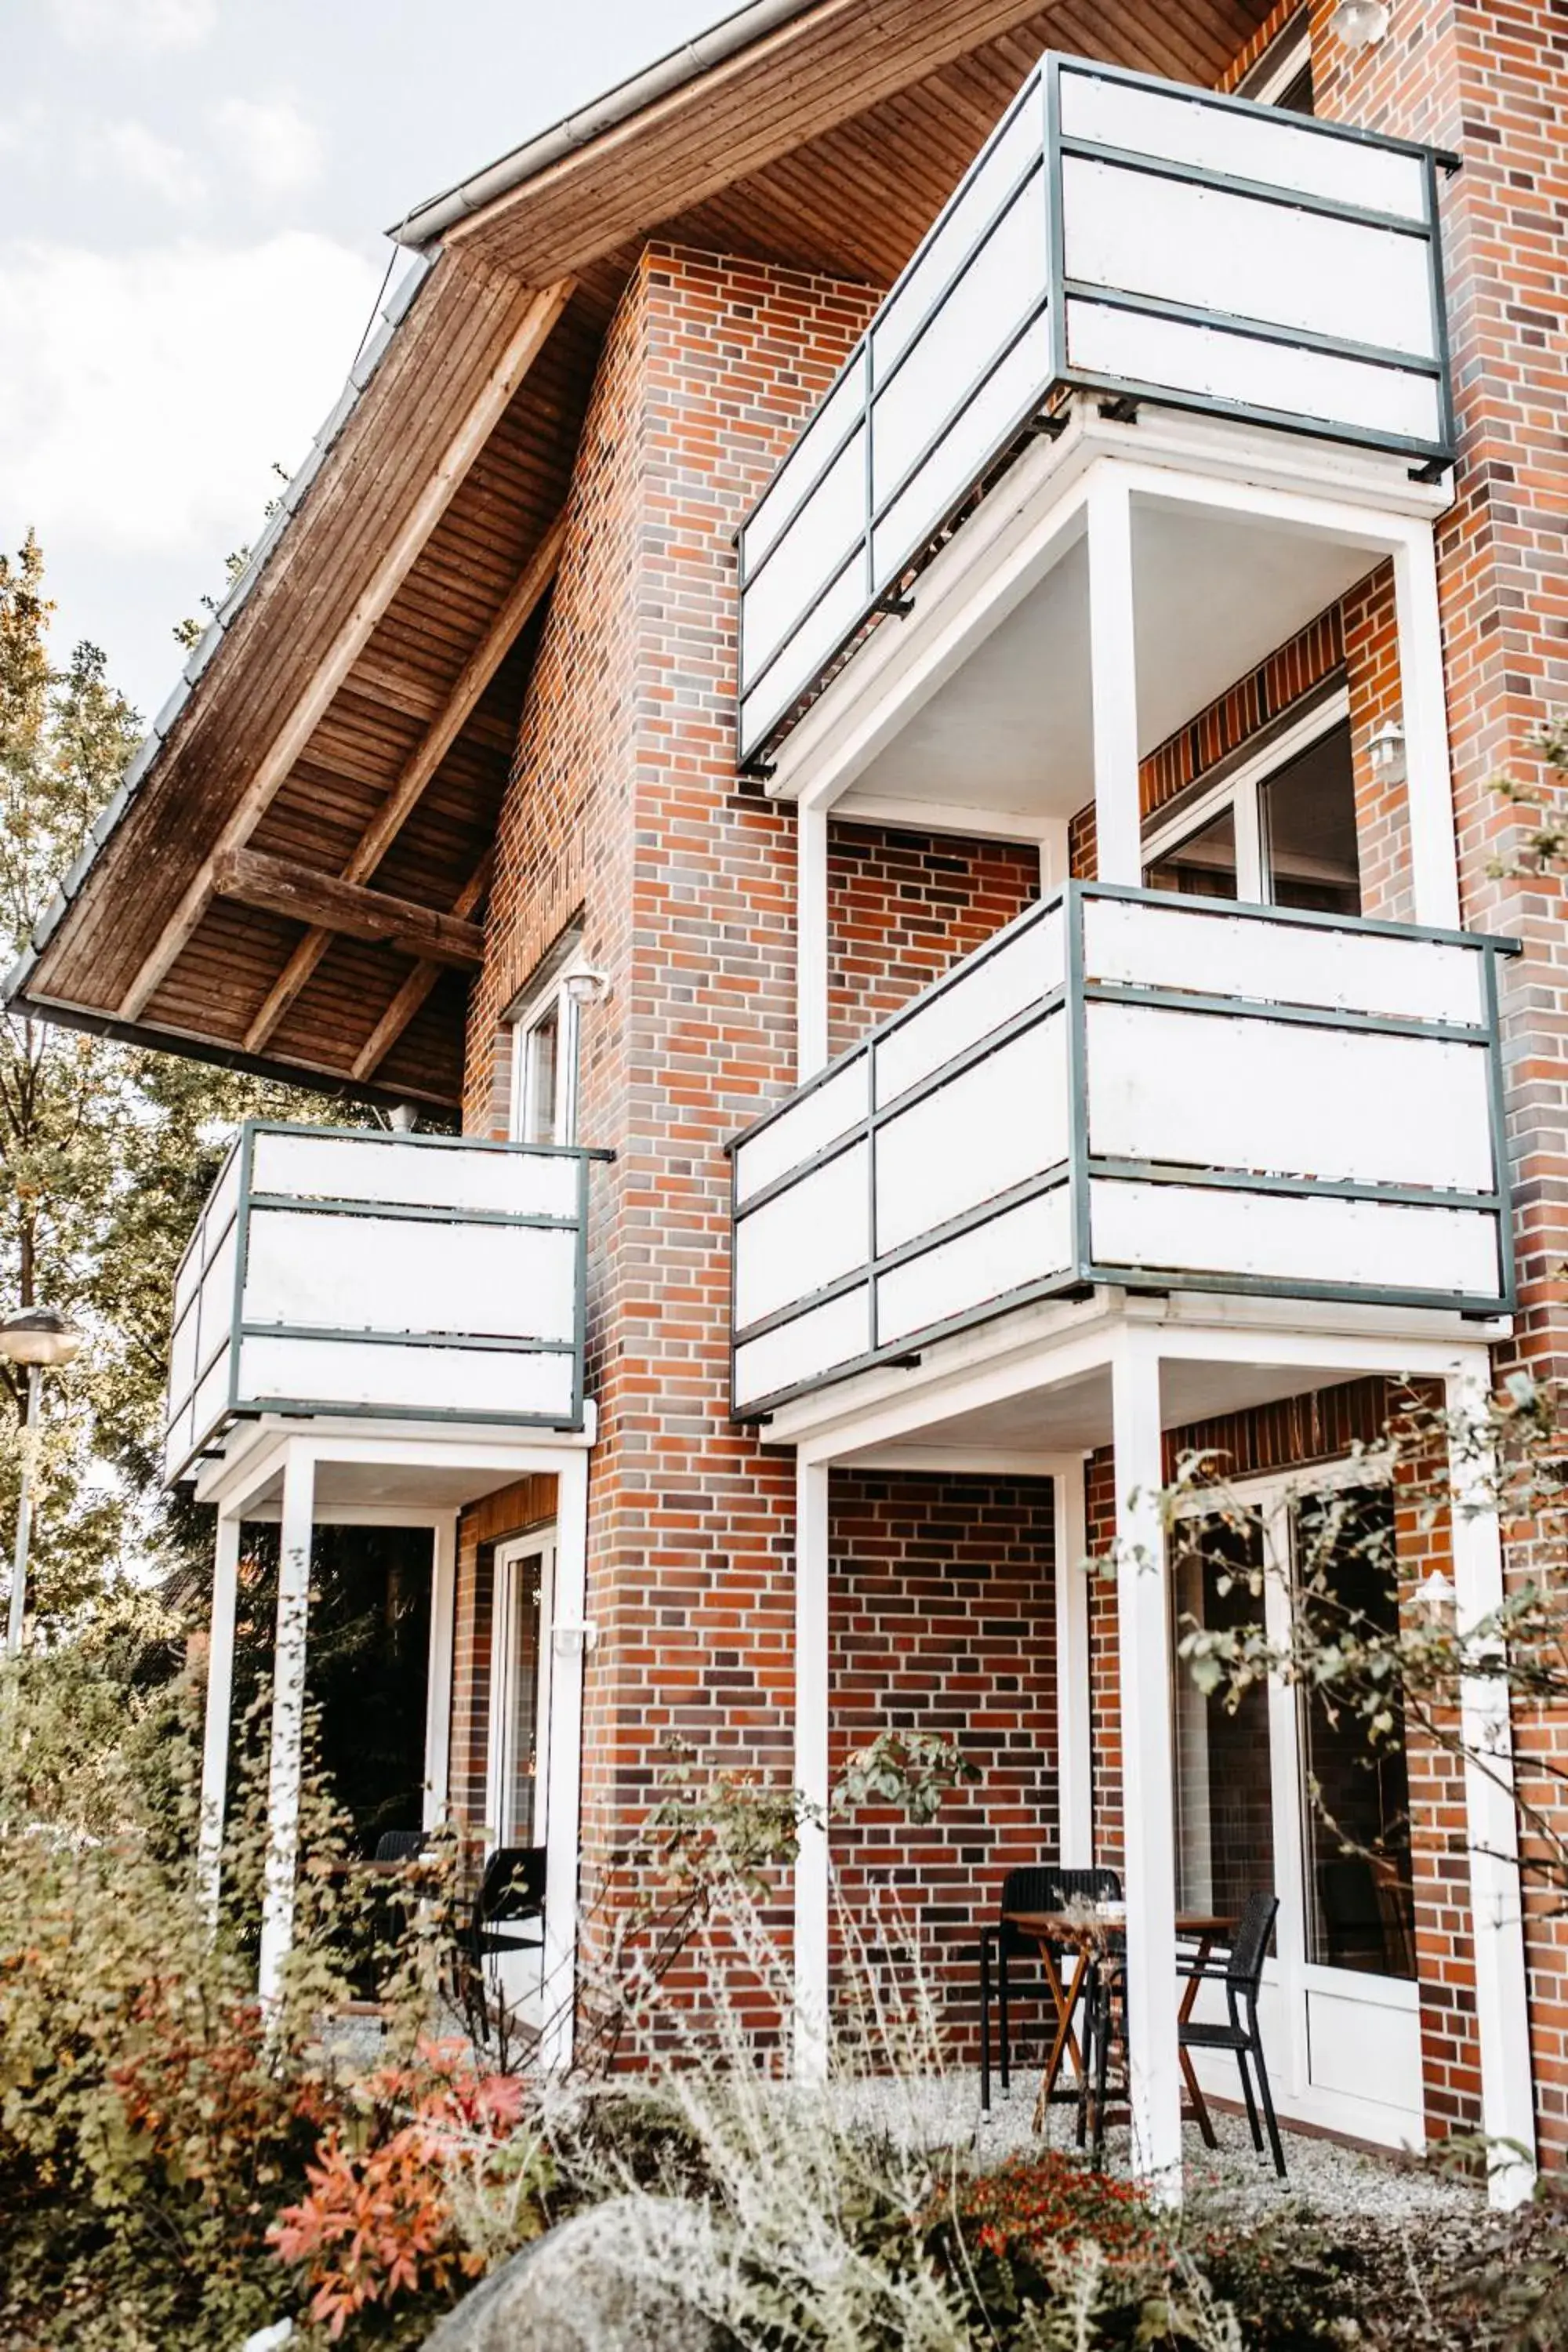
<point x="1003" y="1121"/>
<point x="1005" y="398"/>
<point x="960" y="229"/>
<point x="807" y="554"/>
<point x="219" y="1286"/>
<point x="432" y="1175"/>
<point x="1024" y="1245"/>
<point x="378" y="1376"/>
<point x="1347" y="1245"/>
<point x="1208" y="1090"/>
<point x="1234" y="955"/>
<point x="806" y="1238"/>
<point x="813" y="1344"/>
<point x="210" y="1398"/>
<point x="1241" y="369"/>
<point x="1244" y="256"/>
<point x="816" y="1120"/>
<point x="183" y="1356"/>
<point x="808" y="651"/>
<point x="1006" y="277"/>
<point x="807" y="460"/>
<point x="1256" y="145"/>
<point x="364" y="1274"/>
<point x="1000" y="986"/>
<point x="222" y="1202"/>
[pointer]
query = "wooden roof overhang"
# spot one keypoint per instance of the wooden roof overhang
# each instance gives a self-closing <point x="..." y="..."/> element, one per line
<point x="292" y="878"/>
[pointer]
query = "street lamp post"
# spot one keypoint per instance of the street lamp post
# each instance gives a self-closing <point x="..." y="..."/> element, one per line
<point x="41" y="1340"/>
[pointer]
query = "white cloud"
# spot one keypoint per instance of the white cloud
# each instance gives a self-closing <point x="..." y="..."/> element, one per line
<point x="145" y="394"/>
<point x="140" y="156"/>
<point x="269" y="140"/>
<point x="136" y="24"/>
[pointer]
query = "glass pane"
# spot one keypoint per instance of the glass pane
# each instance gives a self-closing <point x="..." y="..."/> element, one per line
<point x="1225" y="1814"/>
<point x="1202" y="867"/>
<point x="1360" y="1911"/>
<point x="522" y="1778"/>
<point x="1308" y="829"/>
<point x="542" y="1058"/>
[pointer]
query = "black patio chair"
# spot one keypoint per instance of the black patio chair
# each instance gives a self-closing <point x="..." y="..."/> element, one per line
<point x="399" y="1845"/>
<point x="1032" y="1886"/>
<point x="510" y="1896"/>
<point x="1241" y="1975"/>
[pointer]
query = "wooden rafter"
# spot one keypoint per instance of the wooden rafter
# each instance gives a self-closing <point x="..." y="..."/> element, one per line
<point x="438" y="740"/>
<point x="417" y="988"/>
<point x="278" y="885"/>
<point x="538" y="313"/>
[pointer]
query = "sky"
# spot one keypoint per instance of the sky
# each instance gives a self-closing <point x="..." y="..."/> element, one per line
<point x="193" y="197"/>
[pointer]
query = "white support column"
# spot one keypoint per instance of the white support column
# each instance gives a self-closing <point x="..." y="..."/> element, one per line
<point x="1497" y="1910"/>
<point x="1430" y="788"/>
<point x="811" y="1681"/>
<point x="1113" y="680"/>
<point x="288" y="1715"/>
<point x="563" y="1734"/>
<point x="220" y="1700"/>
<point x="438" y="1674"/>
<point x="811" y="941"/>
<point x="1144" y="1644"/>
<point x="1075" y="1787"/>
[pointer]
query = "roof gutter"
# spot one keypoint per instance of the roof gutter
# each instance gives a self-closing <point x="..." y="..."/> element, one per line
<point x="685" y="64"/>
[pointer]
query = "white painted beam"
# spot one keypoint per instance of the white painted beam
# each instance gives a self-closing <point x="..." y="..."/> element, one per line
<point x="438" y="1672"/>
<point x="811" y="1709"/>
<point x="219" y="1707"/>
<point x="811" y="943"/>
<point x="564" y="1793"/>
<point x="1429" y="787"/>
<point x="288" y="1719"/>
<point x="1113" y="679"/>
<point x="1496" y="1909"/>
<point x="1075" y="1785"/>
<point x="1145" y="1646"/>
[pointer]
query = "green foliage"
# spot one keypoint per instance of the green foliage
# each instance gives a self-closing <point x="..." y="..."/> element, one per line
<point x="911" y="1770"/>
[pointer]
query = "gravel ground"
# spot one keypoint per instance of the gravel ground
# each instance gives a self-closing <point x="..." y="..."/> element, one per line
<point x="1332" y="2181"/>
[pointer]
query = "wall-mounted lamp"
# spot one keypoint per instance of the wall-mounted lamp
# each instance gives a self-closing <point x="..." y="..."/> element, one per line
<point x="1361" y="23"/>
<point x="403" y="1118"/>
<point x="586" y="986"/>
<point x="573" y="1641"/>
<point x="1436" y="1593"/>
<point x="1386" y="753"/>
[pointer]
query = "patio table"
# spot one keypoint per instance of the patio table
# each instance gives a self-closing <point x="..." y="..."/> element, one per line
<point x="1090" y="1932"/>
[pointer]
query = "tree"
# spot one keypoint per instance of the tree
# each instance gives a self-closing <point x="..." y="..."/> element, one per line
<point x="106" y="1152"/>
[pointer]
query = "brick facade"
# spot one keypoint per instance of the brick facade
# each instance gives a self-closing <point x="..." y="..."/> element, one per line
<point x="902" y="907"/>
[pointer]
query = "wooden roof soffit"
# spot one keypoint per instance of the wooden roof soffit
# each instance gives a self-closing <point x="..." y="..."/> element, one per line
<point x="276" y="886"/>
<point x="481" y="667"/>
<point x="419" y="985"/>
<point x="539" y="312"/>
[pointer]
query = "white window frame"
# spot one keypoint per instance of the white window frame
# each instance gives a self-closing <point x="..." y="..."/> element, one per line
<point x="509" y="1558"/>
<point x="1241" y="790"/>
<point x="527" y="1021"/>
<point x="1286" y="58"/>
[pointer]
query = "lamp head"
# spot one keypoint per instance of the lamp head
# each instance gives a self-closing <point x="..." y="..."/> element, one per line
<point x="586" y="986"/>
<point x="1361" y="23"/>
<point x="39" y="1336"/>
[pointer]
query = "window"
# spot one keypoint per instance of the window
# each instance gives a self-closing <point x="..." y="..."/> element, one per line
<point x="1280" y="831"/>
<point x="1224" y="1759"/>
<point x="522" y="1609"/>
<point x="1283" y="74"/>
<point x="1360" y="1907"/>
<point x="544" y="1063"/>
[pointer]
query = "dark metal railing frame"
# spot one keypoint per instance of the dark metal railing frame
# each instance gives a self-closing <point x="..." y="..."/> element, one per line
<point x="1078" y="1169"/>
<point x="236" y="1329"/>
<point x="1044" y="85"/>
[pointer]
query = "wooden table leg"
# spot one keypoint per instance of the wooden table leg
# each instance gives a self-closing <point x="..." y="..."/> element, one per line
<point x="1065" y="2043"/>
<point x="1200" y="2105"/>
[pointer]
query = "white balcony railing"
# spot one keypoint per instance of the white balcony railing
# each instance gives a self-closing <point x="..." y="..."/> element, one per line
<point x="339" y="1271"/>
<point x="1118" y="234"/>
<point x="1126" y="1087"/>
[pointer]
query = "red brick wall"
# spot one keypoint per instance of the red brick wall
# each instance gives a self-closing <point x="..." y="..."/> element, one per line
<point x="902" y="907"/>
<point x="624" y="812"/>
<point x="943" y="1618"/>
<point x="1488" y="79"/>
<point x="530" y="1504"/>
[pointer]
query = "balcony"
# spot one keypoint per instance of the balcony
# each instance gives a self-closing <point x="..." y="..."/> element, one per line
<point x="1120" y="235"/>
<point x="1129" y="1087"/>
<point x="344" y="1273"/>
